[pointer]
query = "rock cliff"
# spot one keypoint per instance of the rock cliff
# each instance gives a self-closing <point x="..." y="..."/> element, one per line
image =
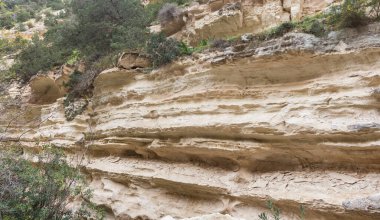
<point x="294" y="120"/>
<point x="228" y="18"/>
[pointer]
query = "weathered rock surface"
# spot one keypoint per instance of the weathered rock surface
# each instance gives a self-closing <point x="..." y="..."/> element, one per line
<point x="294" y="119"/>
<point x="47" y="88"/>
<point x="225" y="18"/>
<point x="133" y="61"/>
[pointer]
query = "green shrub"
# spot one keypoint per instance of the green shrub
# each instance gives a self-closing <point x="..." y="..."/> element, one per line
<point x="97" y="29"/>
<point x="185" y="49"/>
<point x="275" y="211"/>
<point x="6" y="76"/>
<point x="48" y="13"/>
<point x="106" y="25"/>
<point x="202" y="45"/>
<point x="36" y="57"/>
<point x="277" y="31"/>
<point x="162" y="50"/>
<point x="282" y="29"/>
<point x="8" y="46"/>
<point x="312" y="25"/>
<point x="38" y="18"/>
<point x="350" y="13"/>
<point x="152" y="9"/>
<point x="21" y="27"/>
<point x="13" y="11"/>
<point x="74" y="57"/>
<point x="55" y="4"/>
<point x="353" y="13"/>
<point x="23" y="15"/>
<point x="106" y="62"/>
<point x="128" y="38"/>
<point x="50" y="21"/>
<point x="79" y="87"/>
<point x="40" y="190"/>
<point x="80" y="84"/>
<point x="74" y="79"/>
<point x="6" y="20"/>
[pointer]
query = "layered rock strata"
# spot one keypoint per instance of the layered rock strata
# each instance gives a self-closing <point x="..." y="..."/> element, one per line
<point x="294" y="120"/>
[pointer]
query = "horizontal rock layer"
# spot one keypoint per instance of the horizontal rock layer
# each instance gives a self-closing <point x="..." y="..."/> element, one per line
<point x="295" y="120"/>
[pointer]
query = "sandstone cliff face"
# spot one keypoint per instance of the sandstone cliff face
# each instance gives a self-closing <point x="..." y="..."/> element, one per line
<point x="227" y="18"/>
<point x="294" y="120"/>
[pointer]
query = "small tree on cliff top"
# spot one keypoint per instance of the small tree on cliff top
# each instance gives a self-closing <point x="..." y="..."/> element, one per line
<point x="107" y="24"/>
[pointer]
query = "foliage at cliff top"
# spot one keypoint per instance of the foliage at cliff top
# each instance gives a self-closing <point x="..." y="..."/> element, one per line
<point x="96" y="29"/>
<point x="100" y="29"/>
<point x="16" y="11"/>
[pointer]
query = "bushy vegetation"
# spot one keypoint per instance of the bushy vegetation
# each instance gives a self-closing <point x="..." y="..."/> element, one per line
<point x="277" y="31"/>
<point x="13" y="12"/>
<point x="354" y="13"/>
<point x="102" y="28"/>
<point x="168" y="13"/>
<point x="41" y="189"/>
<point x="313" y="25"/>
<point x="104" y="25"/>
<point x="275" y="212"/>
<point x="9" y="46"/>
<point x="37" y="56"/>
<point x="55" y="4"/>
<point x="162" y="50"/>
<point x="80" y="82"/>
<point x="94" y="28"/>
<point x="95" y="31"/>
<point x="6" y="20"/>
<point x="351" y="13"/>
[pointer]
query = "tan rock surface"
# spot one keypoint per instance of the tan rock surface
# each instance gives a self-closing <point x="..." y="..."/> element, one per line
<point x="227" y="18"/>
<point x="295" y="120"/>
<point x="133" y="61"/>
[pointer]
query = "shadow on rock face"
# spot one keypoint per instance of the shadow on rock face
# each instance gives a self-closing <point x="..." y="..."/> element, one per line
<point x="44" y="90"/>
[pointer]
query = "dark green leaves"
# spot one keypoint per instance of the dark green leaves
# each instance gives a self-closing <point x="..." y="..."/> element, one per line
<point x="162" y="50"/>
<point x="38" y="190"/>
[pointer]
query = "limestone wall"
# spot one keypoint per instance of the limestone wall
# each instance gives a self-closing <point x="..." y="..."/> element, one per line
<point x="295" y="120"/>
